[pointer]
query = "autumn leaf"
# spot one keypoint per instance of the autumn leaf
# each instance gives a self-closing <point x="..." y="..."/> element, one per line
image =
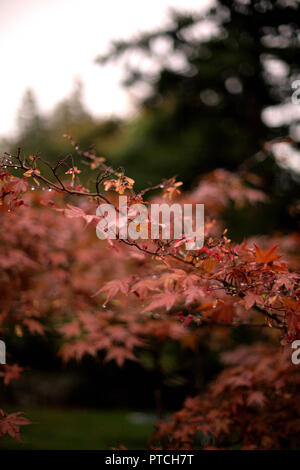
<point x="120" y="184"/>
<point x="71" y="329"/>
<point x="74" y="170"/>
<point x="119" y="355"/>
<point x="250" y="299"/>
<point x="113" y="288"/>
<point x="266" y="257"/>
<point x="166" y="300"/>
<point x="256" y="399"/>
<point x="172" y="190"/>
<point x="19" y="185"/>
<point x="291" y="303"/>
<point x="77" y="349"/>
<point x="10" y="424"/>
<point x="31" y="172"/>
<point x="77" y="212"/>
<point x="34" y="326"/>
<point x="287" y="280"/>
<point x="144" y="287"/>
<point x="10" y="372"/>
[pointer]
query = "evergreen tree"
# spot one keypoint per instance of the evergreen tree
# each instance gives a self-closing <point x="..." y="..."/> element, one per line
<point x="210" y="78"/>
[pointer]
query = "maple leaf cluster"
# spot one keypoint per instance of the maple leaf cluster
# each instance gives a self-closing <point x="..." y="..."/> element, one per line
<point x="115" y="297"/>
<point x="251" y="405"/>
<point x="11" y="190"/>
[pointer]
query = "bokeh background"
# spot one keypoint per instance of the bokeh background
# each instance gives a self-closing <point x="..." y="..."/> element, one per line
<point x="161" y="90"/>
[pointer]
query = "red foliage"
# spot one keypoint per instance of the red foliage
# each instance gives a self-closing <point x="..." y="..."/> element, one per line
<point x="251" y="405"/>
<point x="10" y="424"/>
<point x="56" y="275"/>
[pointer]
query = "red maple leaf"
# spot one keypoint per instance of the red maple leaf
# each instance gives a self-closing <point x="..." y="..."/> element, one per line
<point x="113" y="288"/>
<point x="167" y="300"/>
<point x="266" y="257"/>
<point x="10" y="424"/>
<point x="119" y="354"/>
<point x="256" y="399"/>
<point x="10" y="372"/>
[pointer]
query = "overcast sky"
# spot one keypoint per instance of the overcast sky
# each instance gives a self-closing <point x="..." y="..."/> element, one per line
<point x="47" y="44"/>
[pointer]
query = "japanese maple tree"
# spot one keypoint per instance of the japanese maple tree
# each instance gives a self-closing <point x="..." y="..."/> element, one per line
<point x="56" y="275"/>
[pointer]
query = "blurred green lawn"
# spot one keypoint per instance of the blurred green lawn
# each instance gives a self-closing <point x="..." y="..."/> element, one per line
<point x="83" y="429"/>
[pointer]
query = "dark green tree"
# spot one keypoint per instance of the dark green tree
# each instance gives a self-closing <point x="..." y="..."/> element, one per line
<point x="208" y="78"/>
<point x="42" y="133"/>
<point x="31" y="124"/>
<point x="71" y="113"/>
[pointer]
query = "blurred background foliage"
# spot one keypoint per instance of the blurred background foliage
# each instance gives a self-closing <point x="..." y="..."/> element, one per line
<point x="211" y="91"/>
<point x="215" y="88"/>
<point x="208" y="82"/>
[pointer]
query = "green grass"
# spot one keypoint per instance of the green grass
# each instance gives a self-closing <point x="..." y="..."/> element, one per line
<point x="82" y="429"/>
